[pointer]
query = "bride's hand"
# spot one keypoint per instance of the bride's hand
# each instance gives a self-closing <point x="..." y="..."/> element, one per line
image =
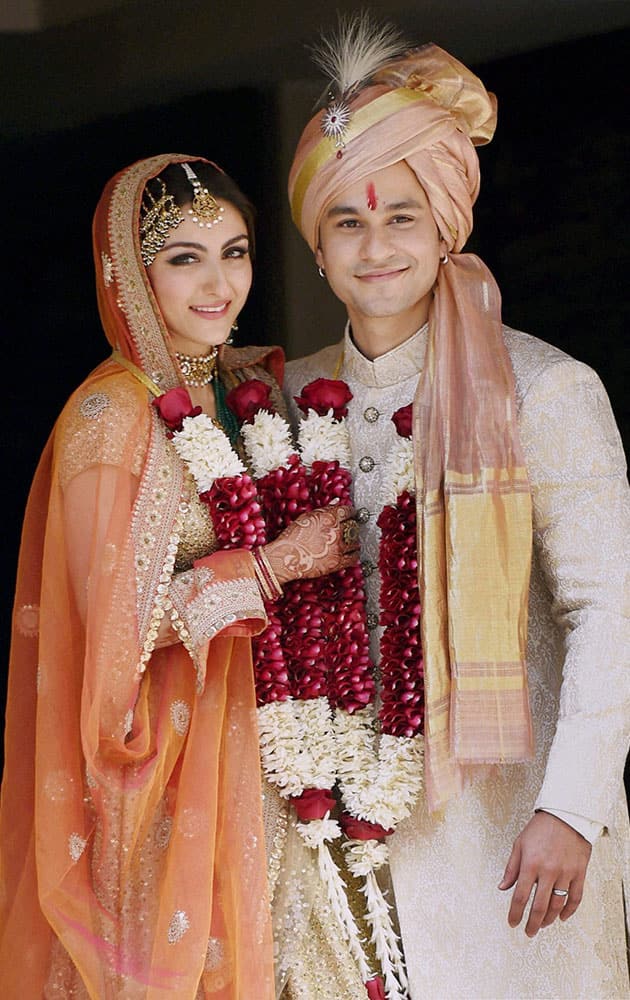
<point x="317" y="543"/>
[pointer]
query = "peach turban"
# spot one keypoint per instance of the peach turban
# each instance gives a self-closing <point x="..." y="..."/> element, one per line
<point x="472" y="494"/>
<point x="426" y="108"/>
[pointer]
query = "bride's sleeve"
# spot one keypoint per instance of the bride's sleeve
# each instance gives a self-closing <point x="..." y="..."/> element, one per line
<point x="103" y="451"/>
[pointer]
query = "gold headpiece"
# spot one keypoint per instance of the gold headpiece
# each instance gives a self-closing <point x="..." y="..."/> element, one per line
<point x="205" y="211"/>
<point x="156" y="219"/>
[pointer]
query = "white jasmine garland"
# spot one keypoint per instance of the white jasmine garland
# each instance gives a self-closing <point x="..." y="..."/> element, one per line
<point x="380" y="778"/>
<point x="385" y="940"/>
<point x="316" y="832"/>
<point x="297" y="745"/>
<point x="324" y="439"/>
<point x="206" y="450"/>
<point x="365" y="856"/>
<point x="268" y="442"/>
<point x="398" y="474"/>
<point x="338" y="899"/>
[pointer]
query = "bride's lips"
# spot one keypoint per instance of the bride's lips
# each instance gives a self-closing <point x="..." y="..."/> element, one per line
<point x="211" y="312"/>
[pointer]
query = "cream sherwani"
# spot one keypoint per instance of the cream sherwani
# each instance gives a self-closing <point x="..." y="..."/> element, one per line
<point x="445" y="868"/>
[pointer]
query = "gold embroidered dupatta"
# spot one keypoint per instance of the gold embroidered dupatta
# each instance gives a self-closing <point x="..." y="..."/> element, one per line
<point x="132" y="853"/>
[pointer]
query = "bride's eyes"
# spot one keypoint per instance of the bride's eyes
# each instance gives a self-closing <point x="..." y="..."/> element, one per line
<point x="183" y="258"/>
<point x="237" y="252"/>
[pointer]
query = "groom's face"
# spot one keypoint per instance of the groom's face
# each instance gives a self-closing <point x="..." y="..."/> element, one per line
<point x="380" y="247"/>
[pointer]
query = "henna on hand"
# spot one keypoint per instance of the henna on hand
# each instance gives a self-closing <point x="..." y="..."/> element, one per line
<point x="312" y="545"/>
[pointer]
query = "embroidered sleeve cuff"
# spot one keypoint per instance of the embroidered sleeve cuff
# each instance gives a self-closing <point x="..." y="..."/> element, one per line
<point x="207" y="600"/>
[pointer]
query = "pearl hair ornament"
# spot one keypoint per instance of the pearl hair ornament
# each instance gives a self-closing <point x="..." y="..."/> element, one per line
<point x="206" y="211"/>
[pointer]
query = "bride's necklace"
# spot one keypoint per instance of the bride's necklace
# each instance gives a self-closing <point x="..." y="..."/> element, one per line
<point x="198" y="371"/>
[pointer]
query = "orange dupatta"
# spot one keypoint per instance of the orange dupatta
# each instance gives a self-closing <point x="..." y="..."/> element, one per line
<point x="132" y="856"/>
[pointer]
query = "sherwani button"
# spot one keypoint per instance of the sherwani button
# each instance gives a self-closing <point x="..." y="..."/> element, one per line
<point x="362" y="515"/>
<point x="371" y="414"/>
<point x="366" y="464"/>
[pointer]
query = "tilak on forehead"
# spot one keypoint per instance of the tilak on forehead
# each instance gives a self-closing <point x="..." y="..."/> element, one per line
<point x="371" y="196"/>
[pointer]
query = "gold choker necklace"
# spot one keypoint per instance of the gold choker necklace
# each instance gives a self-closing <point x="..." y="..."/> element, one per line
<point x="198" y="371"/>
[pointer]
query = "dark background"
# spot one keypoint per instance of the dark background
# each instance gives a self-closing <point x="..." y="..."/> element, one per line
<point x="550" y="223"/>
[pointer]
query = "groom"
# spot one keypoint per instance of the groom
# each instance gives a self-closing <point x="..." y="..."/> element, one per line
<point x="516" y="458"/>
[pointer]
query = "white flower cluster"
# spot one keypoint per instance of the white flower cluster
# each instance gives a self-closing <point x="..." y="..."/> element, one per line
<point x="338" y="899"/>
<point x="316" y="832"/>
<point x="324" y="439"/>
<point x="385" y="939"/>
<point x="206" y="450"/>
<point x="398" y="474"/>
<point x="364" y="856"/>
<point x="380" y="784"/>
<point x="268" y="442"/>
<point x="297" y="745"/>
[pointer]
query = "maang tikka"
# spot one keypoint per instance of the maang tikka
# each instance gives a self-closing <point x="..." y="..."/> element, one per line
<point x="205" y="211"/>
<point x="159" y="215"/>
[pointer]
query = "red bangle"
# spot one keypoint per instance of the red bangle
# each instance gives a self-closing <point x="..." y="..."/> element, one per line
<point x="265" y="576"/>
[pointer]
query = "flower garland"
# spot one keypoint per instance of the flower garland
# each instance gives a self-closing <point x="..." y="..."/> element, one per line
<point x="379" y="776"/>
<point x="314" y="683"/>
<point x="295" y="730"/>
<point x="381" y="786"/>
<point x="297" y="738"/>
<point x="402" y="668"/>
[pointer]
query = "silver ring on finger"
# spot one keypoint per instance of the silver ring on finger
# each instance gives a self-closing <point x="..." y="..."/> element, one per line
<point x="560" y="892"/>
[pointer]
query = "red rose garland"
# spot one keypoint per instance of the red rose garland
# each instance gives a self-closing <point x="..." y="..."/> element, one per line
<point x="341" y="594"/>
<point x="287" y="731"/>
<point x="379" y="787"/>
<point x="402" y="674"/>
<point x="351" y="683"/>
<point x="297" y="739"/>
<point x="311" y="610"/>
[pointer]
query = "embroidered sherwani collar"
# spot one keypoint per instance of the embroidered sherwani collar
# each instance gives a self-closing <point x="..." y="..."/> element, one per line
<point x="400" y="363"/>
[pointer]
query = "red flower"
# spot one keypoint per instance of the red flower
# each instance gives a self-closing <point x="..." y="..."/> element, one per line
<point x="362" y="829"/>
<point x="402" y="665"/>
<point x="247" y="398"/>
<point x="325" y="394"/>
<point x="236" y="513"/>
<point x="313" y="803"/>
<point x="174" y="406"/>
<point x="402" y="419"/>
<point x="375" y="989"/>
